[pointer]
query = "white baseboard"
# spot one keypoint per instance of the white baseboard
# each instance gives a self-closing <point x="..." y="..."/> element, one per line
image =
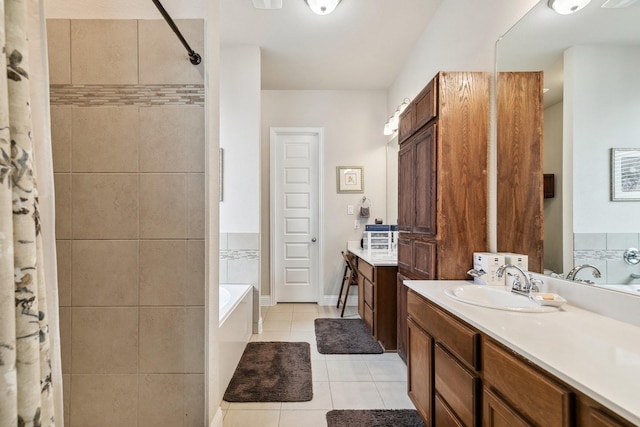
<point x="265" y="300"/>
<point x="333" y="300"/>
<point x="217" y="419"/>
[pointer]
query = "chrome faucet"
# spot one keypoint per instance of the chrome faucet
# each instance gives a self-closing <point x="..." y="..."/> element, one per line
<point x="530" y="284"/>
<point x="574" y="271"/>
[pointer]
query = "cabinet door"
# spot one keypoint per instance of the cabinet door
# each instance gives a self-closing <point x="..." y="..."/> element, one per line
<point x="420" y="365"/>
<point x="497" y="413"/>
<point x="424" y="173"/>
<point x="402" y="318"/>
<point x="424" y="260"/>
<point x="406" y="164"/>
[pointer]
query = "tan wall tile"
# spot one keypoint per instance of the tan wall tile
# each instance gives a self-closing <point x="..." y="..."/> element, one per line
<point x="61" y="125"/>
<point x="59" y="47"/>
<point x="161" y="400"/>
<point x="194" y="340"/>
<point x="161" y="340"/>
<point x="63" y="258"/>
<point x="163" y="265"/>
<point x="163" y="206"/>
<point x="105" y="273"/>
<point x="104" y="52"/>
<point x="105" y="139"/>
<point x="195" y="206"/>
<point x="105" y="206"/>
<point x="104" y="340"/>
<point x="194" y="292"/>
<point x="65" y="338"/>
<point x="194" y="138"/>
<point x="104" y="400"/>
<point x="62" y="186"/>
<point x="162" y="143"/>
<point x="163" y="59"/>
<point x="194" y="400"/>
<point x="66" y="397"/>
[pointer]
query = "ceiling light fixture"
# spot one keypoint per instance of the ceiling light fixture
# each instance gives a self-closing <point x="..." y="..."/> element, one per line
<point x="565" y="7"/>
<point x="322" y="7"/>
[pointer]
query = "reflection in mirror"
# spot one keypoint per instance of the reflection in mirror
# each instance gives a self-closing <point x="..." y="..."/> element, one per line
<point x="392" y="181"/>
<point x="591" y="63"/>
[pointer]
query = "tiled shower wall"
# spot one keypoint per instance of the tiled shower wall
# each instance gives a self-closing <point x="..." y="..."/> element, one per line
<point x="604" y="250"/>
<point x="128" y="146"/>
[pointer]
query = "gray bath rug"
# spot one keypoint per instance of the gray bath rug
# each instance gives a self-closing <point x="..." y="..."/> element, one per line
<point x="272" y="372"/>
<point x="374" y="418"/>
<point x="345" y="336"/>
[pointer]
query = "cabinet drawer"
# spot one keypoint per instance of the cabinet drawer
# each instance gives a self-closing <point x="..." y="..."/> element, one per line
<point x="457" y="386"/>
<point x="407" y="123"/>
<point x="496" y="413"/>
<point x="529" y="391"/>
<point x="368" y="293"/>
<point x="425" y="104"/>
<point x="366" y="269"/>
<point x="459" y="339"/>
<point x="444" y="417"/>
<point x="368" y="317"/>
<point x="424" y="261"/>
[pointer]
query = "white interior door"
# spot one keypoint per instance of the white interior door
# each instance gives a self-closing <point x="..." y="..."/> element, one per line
<point x="295" y="205"/>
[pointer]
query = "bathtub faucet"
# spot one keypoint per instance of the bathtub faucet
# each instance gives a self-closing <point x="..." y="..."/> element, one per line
<point x="574" y="271"/>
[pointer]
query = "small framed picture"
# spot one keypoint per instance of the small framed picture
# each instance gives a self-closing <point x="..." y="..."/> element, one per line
<point x="350" y="179"/>
<point x="625" y="174"/>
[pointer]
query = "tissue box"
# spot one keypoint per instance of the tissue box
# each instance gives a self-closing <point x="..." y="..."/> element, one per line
<point x="489" y="263"/>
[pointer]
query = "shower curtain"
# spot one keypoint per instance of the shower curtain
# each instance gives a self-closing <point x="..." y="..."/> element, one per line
<point x="30" y="376"/>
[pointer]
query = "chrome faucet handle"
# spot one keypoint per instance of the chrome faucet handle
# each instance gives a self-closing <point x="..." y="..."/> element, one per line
<point x="535" y="284"/>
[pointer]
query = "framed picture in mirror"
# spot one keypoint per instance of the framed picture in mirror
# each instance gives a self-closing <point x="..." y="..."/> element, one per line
<point x="625" y="174"/>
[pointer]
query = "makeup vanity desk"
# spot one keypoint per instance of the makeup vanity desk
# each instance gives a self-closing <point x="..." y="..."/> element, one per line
<point x="377" y="293"/>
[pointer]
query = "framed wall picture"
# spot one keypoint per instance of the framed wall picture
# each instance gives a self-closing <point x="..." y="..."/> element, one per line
<point x="625" y="174"/>
<point x="350" y="179"/>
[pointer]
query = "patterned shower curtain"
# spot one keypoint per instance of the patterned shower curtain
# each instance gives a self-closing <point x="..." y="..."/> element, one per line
<point x="26" y="392"/>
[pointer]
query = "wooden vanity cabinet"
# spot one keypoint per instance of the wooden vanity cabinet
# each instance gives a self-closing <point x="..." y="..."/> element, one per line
<point x="377" y="303"/>
<point x="442" y="178"/>
<point x="444" y="352"/>
<point x="592" y="414"/>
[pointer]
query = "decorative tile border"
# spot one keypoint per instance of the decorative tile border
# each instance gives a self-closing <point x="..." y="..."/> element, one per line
<point x="230" y="254"/>
<point x="120" y="95"/>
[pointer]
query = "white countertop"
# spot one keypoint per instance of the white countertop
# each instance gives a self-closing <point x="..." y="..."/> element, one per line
<point x="596" y="355"/>
<point x="375" y="258"/>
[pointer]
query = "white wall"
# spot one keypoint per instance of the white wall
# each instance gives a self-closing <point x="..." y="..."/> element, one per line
<point x="460" y="37"/>
<point x="124" y="9"/>
<point x="240" y="138"/>
<point x="602" y="90"/>
<point x="553" y="206"/>
<point x="352" y="122"/>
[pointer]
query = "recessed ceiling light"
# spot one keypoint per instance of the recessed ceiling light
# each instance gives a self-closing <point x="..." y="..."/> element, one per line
<point x="267" y="4"/>
<point x="617" y="4"/>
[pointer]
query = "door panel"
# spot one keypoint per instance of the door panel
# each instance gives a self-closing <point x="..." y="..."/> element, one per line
<point x="295" y="214"/>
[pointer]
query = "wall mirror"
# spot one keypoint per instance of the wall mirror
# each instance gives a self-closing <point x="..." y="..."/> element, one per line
<point x="591" y="64"/>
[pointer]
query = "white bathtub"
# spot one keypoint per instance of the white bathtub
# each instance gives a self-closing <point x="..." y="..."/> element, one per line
<point x="236" y="317"/>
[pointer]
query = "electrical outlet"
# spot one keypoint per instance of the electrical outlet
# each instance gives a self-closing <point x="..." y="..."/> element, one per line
<point x="356" y="224"/>
<point x="349" y="209"/>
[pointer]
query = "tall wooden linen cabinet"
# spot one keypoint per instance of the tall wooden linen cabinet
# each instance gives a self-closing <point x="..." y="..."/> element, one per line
<point x="442" y="183"/>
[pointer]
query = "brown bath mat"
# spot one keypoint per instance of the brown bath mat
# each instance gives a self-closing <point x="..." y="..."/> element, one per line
<point x="272" y="372"/>
<point x="345" y="336"/>
<point x="374" y="418"/>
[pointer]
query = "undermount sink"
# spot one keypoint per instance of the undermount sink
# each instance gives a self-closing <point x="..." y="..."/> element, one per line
<point x="496" y="297"/>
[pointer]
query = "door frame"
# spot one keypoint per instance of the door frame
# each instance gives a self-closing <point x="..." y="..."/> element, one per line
<point x="273" y="134"/>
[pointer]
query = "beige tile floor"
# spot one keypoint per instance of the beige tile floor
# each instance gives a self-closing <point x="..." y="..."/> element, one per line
<point x="372" y="381"/>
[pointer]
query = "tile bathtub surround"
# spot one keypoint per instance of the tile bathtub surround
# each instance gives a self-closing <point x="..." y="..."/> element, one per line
<point x="605" y="250"/>
<point x="128" y="150"/>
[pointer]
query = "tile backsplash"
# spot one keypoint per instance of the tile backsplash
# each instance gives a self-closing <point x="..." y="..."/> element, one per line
<point x="605" y="250"/>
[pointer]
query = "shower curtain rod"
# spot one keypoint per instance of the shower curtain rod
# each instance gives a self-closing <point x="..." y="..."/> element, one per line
<point x="193" y="56"/>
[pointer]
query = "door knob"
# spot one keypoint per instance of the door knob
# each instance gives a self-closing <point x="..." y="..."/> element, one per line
<point x="313" y="240"/>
